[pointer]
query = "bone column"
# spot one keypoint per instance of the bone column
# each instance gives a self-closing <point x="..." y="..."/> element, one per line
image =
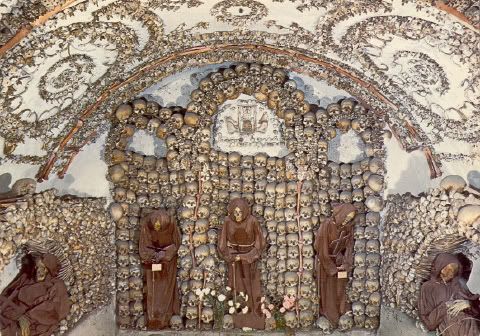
<point x="300" y="243"/>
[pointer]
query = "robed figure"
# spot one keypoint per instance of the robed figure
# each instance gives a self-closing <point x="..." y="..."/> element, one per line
<point x="158" y="246"/>
<point x="241" y="243"/>
<point x="446" y="303"/>
<point x="334" y="246"/>
<point x="36" y="301"/>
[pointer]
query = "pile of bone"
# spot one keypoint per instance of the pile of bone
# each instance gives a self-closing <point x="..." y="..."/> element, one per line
<point x="196" y="183"/>
<point x="416" y="229"/>
<point x="79" y="226"/>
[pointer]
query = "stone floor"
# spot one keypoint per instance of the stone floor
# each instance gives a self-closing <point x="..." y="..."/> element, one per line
<point x="241" y="333"/>
<point x="102" y="323"/>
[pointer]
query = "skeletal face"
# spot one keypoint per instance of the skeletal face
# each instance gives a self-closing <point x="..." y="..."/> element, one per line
<point x="281" y="253"/>
<point x="374" y="299"/>
<point x="227" y="322"/>
<point x="308" y="264"/>
<point x="324" y="325"/>
<point x="360" y="259"/>
<point x="373" y="246"/>
<point x="358" y="308"/>
<point x="345" y="323"/>
<point x="260" y="160"/>
<point x="291" y="279"/>
<point x="373" y="259"/>
<point x="291" y="320"/>
<point x="346" y="197"/>
<point x="281" y="241"/>
<point x="191" y="313"/>
<point x="176" y="323"/>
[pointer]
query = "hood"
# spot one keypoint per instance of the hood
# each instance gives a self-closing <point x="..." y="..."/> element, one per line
<point x="51" y="263"/>
<point x="238" y="203"/>
<point x="442" y="260"/>
<point x="159" y="215"/>
<point x="340" y="212"/>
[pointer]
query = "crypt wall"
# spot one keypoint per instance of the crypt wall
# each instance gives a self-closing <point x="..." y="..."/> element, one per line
<point x="71" y="184"/>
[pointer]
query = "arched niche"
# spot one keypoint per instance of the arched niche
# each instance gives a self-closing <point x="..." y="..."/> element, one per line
<point x="196" y="181"/>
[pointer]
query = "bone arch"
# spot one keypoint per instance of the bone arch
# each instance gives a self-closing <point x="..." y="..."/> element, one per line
<point x="199" y="182"/>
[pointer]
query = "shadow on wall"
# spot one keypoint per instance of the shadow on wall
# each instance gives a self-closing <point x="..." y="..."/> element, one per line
<point x="407" y="172"/>
<point x="5" y="180"/>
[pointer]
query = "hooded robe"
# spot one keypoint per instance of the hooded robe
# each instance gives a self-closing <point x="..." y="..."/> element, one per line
<point x="159" y="247"/>
<point x="434" y="294"/>
<point x="44" y="303"/>
<point x="334" y="246"/>
<point x="244" y="238"/>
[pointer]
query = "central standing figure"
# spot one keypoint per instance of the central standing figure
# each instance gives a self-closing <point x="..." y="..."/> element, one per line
<point x="241" y="243"/>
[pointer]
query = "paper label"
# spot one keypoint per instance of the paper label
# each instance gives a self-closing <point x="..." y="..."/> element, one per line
<point x="156" y="267"/>
<point x="342" y="274"/>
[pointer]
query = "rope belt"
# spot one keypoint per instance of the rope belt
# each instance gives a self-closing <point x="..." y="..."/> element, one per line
<point x="239" y="245"/>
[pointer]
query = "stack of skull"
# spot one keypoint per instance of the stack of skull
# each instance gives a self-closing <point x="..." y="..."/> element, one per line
<point x="80" y="229"/>
<point x="196" y="183"/>
<point x="416" y="229"/>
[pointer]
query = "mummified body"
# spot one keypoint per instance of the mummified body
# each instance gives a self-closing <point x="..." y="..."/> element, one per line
<point x="334" y="246"/>
<point x="36" y="300"/>
<point x="158" y="245"/>
<point x="446" y="303"/>
<point x="241" y="243"/>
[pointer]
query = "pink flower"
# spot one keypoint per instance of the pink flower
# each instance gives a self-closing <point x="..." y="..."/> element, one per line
<point x="270" y="306"/>
<point x="282" y="310"/>
<point x="267" y="314"/>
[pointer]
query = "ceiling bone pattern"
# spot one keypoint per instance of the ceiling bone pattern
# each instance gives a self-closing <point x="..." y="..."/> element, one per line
<point x="412" y="62"/>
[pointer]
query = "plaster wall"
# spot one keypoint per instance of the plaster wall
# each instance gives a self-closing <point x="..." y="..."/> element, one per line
<point x="406" y="172"/>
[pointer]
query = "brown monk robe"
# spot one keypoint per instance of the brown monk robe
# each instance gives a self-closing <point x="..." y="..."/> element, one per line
<point x="241" y="243"/>
<point x="35" y="301"/>
<point x="158" y="246"/>
<point x="445" y="303"/>
<point x="334" y="246"/>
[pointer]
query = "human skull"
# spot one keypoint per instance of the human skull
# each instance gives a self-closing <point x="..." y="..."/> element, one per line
<point x="346" y="197"/>
<point x="192" y="313"/>
<point x="281" y="253"/>
<point x="176" y="323"/>
<point x="360" y="259"/>
<point x="291" y="319"/>
<point x="228" y="322"/>
<point x="373" y="259"/>
<point x="324" y="325"/>
<point x="306" y="318"/>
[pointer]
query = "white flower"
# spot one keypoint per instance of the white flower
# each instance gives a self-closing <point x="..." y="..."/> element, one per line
<point x="199" y="292"/>
<point x="221" y="298"/>
<point x="247" y="329"/>
<point x="206" y="290"/>
<point x="246" y="297"/>
<point x="231" y="310"/>
<point x="228" y="289"/>
<point x="230" y="303"/>
<point x="237" y="305"/>
<point x="245" y="310"/>
<point x="242" y="294"/>
<point x="213" y="292"/>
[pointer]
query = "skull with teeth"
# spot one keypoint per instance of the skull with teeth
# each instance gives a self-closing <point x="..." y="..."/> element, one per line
<point x="324" y="325"/>
<point x="281" y="253"/>
<point x="228" y="322"/>
<point x="176" y="323"/>
<point x="291" y="320"/>
<point x="345" y="322"/>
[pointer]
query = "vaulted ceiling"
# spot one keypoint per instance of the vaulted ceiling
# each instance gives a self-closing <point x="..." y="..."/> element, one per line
<point x="65" y="65"/>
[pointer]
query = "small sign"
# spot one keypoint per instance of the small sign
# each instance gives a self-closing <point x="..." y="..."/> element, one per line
<point x="156" y="267"/>
<point x="342" y="274"/>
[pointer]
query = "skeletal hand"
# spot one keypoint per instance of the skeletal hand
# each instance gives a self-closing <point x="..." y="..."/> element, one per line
<point x="457" y="306"/>
<point x="24" y="326"/>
